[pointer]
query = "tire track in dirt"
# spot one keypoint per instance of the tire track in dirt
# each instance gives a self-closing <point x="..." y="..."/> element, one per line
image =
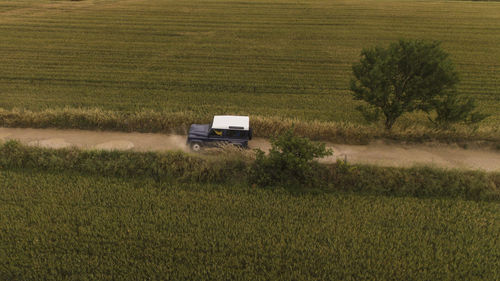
<point x="377" y="153"/>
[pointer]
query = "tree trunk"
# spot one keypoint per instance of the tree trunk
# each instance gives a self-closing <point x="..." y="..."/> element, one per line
<point x="389" y="121"/>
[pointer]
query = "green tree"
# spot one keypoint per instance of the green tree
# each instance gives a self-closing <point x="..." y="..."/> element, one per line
<point x="405" y="77"/>
<point x="453" y="109"/>
<point x="290" y="162"/>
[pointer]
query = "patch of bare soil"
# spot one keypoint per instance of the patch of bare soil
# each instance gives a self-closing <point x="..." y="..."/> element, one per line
<point x="115" y="145"/>
<point x="50" y="143"/>
<point x="378" y="153"/>
<point x="50" y="8"/>
<point x="439" y="155"/>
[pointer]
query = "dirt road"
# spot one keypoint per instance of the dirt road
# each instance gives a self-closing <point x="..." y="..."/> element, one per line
<point x="401" y="155"/>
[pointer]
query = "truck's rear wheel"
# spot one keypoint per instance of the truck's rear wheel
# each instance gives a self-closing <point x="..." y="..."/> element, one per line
<point x="195" y="146"/>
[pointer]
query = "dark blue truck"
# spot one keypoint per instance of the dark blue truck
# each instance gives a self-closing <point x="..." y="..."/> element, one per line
<point x="224" y="129"/>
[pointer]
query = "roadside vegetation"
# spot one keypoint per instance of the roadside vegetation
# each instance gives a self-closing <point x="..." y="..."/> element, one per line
<point x="241" y="168"/>
<point x="196" y="59"/>
<point x="178" y="122"/>
<point x="290" y="162"/>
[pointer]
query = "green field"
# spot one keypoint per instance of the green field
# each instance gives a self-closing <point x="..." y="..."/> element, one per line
<point x="75" y="227"/>
<point x="157" y="65"/>
<point x="269" y="58"/>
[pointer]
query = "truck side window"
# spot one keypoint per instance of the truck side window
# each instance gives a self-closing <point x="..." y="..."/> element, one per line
<point x="233" y="134"/>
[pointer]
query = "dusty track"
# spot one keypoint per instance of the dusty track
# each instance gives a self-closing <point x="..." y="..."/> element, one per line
<point x="401" y="155"/>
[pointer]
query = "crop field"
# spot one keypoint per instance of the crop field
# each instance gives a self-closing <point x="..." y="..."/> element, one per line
<point x="75" y="227"/>
<point x="160" y="65"/>
<point x="267" y="58"/>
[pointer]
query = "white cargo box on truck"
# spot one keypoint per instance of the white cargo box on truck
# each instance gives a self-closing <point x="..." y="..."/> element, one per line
<point x="230" y="122"/>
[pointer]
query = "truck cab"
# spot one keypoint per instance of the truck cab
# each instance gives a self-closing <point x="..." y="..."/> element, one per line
<point x="224" y="129"/>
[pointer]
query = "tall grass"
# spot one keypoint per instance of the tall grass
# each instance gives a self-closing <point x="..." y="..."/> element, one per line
<point x="179" y="122"/>
<point x="234" y="168"/>
<point x="168" y="166"/>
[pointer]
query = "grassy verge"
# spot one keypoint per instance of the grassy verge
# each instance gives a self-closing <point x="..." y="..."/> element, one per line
<point x="68" y="226"/>
<point x="179" y="122"/>
<point x="233" y="168"/>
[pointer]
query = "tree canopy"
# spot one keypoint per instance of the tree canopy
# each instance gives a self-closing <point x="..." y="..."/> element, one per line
<point x="407" y="76"/>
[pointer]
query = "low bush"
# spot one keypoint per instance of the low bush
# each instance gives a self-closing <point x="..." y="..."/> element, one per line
<point x="290" y="162"/>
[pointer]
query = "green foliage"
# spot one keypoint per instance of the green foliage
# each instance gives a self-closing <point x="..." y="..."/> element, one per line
<point x="67" y="226"/>
<point x="453" y="109"/>
<point x="370" y="113"/>
<point x="342" y="167"/>
<point x="402" y="78"/>
<point x="290" y="162"/>
<point x="417" y="181"/>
